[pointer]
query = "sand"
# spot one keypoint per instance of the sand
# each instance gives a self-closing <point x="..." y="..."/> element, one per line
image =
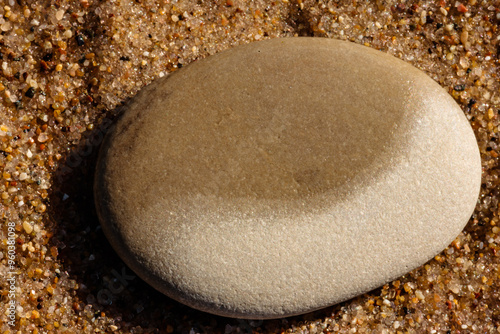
<point x="66" y="67"/>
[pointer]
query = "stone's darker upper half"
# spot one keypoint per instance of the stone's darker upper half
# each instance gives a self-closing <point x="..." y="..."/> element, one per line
<point x="224" y="183"/>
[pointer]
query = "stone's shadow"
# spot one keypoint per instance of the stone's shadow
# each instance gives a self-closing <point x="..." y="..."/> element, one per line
<point x="105" y="283"/>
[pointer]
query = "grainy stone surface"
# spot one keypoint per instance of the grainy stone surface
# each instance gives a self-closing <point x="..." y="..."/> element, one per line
<point x="79" y="68"/>
<point x="260" y="164"/>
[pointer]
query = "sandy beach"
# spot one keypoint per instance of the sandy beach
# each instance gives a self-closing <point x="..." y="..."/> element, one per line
<point x="67" y="67"/>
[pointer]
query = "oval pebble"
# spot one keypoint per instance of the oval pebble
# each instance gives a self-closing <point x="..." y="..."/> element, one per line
<point x="284" y="176"/>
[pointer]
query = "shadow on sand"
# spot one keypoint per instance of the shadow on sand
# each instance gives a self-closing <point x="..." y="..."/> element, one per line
<point x="107" y="288"/>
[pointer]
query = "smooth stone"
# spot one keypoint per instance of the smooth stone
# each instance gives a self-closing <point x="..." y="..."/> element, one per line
<point x="284" y="176"/>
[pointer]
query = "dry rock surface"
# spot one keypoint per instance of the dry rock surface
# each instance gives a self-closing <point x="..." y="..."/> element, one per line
<point x="258" y="164"/>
